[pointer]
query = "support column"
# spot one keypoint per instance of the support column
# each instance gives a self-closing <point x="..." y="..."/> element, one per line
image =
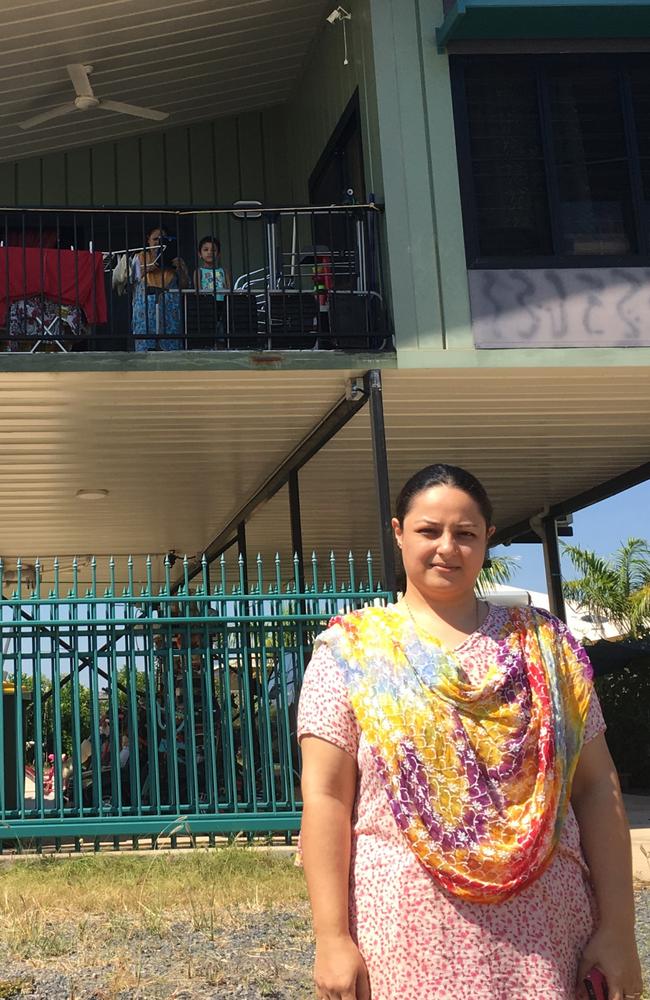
<point x="241" y="546"/>
<point x="382" y="483"/>
<point x="548" y="534"/>
<point x="296" y="526"/>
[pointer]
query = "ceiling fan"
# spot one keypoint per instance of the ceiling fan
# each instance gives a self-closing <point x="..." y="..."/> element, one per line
<point x="86" y="101"/>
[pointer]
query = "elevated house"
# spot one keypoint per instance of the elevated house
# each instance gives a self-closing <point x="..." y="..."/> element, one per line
<point x="434" y="223"/>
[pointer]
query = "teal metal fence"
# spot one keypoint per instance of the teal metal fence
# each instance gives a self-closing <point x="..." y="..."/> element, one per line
<point x="135" y="708"/>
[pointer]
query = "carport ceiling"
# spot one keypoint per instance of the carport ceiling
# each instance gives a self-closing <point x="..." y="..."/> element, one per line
<point x="181" y="452"/>
<point x="196" y="59"/>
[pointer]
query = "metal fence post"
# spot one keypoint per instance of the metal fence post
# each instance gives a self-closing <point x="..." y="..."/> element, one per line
<point x="296" y="526"/>
<point x="553" y="567"/>
<point x="382" y="482"/>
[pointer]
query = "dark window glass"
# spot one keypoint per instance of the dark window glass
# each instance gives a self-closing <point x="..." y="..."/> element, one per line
<point x="554" y="156"/>
<point x="588" y="137"/>
<point x="507" y="161"/>
<point x="640" y="91"/>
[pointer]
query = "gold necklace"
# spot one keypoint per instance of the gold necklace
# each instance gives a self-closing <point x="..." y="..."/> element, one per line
<point x="478" y="615"/>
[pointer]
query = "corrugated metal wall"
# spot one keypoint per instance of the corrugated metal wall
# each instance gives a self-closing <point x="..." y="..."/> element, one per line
<point x="212" y="163"/>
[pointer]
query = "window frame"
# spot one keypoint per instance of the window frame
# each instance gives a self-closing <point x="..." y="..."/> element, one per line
<point x="621" y="63"/>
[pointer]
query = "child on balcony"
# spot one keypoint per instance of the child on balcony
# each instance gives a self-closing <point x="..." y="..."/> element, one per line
<point x="210" y="275"/>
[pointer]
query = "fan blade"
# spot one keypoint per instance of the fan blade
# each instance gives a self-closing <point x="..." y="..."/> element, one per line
<point x="133" y="109"/>
<point x="63" y="109"/>
<point x="79" y="76"/>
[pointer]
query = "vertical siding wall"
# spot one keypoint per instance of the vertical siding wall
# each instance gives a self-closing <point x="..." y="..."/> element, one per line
<point x="212" y="163"/>
<point x="428" y="271"/>
<point x="322" y="94"/>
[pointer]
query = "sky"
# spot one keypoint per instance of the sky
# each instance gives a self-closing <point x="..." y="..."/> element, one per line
<point x="602" y="528"/>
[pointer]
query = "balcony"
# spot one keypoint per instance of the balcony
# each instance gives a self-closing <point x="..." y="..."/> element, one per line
<point x="241" y="278"/>
<point x="470" y="20"/>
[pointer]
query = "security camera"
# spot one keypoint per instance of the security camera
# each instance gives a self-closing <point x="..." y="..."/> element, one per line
<point x="339" y="14"/>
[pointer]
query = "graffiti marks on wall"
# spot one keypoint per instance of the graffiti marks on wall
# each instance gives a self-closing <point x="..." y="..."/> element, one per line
<point x="585" y="307"/>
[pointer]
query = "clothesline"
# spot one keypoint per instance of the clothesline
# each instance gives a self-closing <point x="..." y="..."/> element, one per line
<point x="72" y="278"/>
<point x="128" y="250"/>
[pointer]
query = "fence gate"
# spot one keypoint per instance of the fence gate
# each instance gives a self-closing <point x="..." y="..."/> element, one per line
<point x="135" y="709"/>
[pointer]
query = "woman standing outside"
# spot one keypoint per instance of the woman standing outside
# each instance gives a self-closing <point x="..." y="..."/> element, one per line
<point x="463" y="834"/>
<point x="157" y="322"/>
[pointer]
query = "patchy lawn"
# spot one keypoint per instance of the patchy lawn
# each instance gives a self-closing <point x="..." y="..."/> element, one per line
<point x="201" y="925"/>
<point x="225" y="923"/>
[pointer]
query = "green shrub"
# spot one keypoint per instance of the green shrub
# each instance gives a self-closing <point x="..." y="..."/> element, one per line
<point x="625" y="700"/>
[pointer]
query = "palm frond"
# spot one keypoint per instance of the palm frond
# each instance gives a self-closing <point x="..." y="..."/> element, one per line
<point x="616" y="588"/>
<point x="501" y="570"/>
<point x="640" y="610"/>
<point x="632" y="563"/>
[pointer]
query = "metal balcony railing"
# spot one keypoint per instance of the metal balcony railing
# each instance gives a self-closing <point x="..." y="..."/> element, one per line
<point x="242" y="278"/>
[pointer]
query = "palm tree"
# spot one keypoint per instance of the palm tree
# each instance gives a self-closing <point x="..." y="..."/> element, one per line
<point x="617" y="588"/>
<point x="499" y="569"/>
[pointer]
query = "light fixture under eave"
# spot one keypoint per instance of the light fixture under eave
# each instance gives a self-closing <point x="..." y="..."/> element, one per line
<point x="91" y="494"/>
<point x="342" y="15"/>
<point x="339" y="14"/>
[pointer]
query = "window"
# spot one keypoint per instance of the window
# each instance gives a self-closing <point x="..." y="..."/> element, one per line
<point x="554" y="159"/>
<point x="508" y="164"/>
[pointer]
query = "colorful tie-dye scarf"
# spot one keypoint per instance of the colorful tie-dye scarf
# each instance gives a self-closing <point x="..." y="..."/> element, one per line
<point x="478" y="777"/>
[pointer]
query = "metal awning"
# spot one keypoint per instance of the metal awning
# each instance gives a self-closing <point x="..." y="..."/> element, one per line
<point x="467" y="20"/>
<point x="180" y="452"/>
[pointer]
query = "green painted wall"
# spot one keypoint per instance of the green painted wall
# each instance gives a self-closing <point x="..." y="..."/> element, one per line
<point x="322" y="94"/>
<point x="424" y="226"/>
<point x="212" y="163"/>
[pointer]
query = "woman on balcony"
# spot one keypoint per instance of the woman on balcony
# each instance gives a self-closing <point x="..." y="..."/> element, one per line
<point x="463" y="836"/>
<point x="158" y="276"/>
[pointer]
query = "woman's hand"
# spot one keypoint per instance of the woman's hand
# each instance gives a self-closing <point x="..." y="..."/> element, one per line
<point x="340" y="972"/>
<point x="616" y="956"/>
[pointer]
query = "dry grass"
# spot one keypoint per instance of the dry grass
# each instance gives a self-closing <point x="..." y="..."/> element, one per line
<point x="147" y="926"/>
<point x="199" y="884"/>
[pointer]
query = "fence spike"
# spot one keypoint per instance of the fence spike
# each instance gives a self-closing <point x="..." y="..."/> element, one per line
<point x="351" y="572"/>
<point x="278" y="573"/>
<point x="371" y="583"/>
<point x="314" y="572"/>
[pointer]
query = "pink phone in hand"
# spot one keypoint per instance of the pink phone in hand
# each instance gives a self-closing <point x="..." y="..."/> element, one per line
<point x="596" y="985"/>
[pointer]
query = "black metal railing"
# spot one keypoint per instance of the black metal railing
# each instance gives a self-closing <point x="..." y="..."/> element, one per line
<point x="238" y="278"/>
